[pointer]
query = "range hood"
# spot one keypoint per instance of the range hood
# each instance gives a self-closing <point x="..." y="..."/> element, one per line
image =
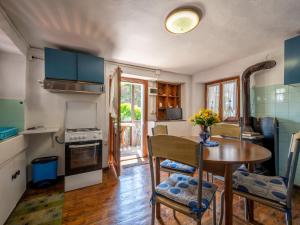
<point x="67" y="86"/>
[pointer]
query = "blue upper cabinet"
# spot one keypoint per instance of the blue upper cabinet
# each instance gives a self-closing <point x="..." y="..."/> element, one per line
<point x="60" y="64"/>
<point x="65" y="65"/>
<point x="90" y="68"/>
<point x="292" y="61"/>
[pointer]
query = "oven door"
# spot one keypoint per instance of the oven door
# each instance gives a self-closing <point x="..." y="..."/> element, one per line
<point x="83" y="157"/>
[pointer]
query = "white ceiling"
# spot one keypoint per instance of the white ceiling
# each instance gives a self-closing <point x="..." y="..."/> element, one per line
<point x="6" y="45"/>
<point x="133" y="31"/>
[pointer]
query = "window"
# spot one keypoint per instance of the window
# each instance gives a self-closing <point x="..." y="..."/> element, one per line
<point x="223" y="96"/>
<point x="213" y="96"/>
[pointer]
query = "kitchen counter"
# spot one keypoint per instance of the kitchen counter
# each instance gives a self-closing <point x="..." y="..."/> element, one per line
<point x="11" y="147"/>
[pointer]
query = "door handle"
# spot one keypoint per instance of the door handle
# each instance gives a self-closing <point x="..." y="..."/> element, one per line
<point x="84" y="145"/>
<point x="15" y="175"/>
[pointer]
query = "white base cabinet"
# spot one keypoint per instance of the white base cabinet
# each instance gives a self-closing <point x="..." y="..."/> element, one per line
<point x="12" y="184"/>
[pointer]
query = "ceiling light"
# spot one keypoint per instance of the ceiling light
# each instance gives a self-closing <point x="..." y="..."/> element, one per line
<point x="183" y="20"/>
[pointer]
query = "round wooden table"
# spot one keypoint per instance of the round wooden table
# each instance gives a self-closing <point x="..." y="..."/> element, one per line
<point x="228" y="156"/>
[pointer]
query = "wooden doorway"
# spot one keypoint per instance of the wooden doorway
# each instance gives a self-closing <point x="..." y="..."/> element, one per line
<point x="134" y="118"/>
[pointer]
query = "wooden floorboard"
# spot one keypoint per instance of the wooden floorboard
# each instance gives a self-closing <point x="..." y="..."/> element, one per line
<point x="126" y="201"/>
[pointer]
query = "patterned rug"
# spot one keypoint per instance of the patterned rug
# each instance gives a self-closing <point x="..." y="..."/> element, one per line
<point x="43" y="209"/>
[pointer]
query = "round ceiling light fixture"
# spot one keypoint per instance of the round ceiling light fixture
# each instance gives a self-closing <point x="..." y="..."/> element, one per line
<point x="183" y="20"/>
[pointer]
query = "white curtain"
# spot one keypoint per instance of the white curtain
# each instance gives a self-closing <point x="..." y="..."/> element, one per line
<point x="113" y="101"/>
<point x="229" y="99"/>
<point x="213" y="97"/>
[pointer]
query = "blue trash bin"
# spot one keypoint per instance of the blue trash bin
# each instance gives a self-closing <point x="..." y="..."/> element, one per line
<point x="44" y="171"/>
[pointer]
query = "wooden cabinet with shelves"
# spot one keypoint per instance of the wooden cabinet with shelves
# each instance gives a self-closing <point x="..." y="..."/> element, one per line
<point x="168" y="96"/>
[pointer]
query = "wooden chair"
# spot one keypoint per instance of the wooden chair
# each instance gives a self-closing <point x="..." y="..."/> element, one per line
<point x="168" y="165"/>
<point x="226" y="130"/>
<point x="275" y="192"/>
<point x="160" y="130"/>
<point x="188" y="195"/>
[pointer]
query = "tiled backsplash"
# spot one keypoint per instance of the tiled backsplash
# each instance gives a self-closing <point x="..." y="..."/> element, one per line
<point x="12" y="113"/>
<point x="282" y="102"/>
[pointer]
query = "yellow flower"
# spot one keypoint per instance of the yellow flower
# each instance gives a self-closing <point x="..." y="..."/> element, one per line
<point x="204" y="117"/>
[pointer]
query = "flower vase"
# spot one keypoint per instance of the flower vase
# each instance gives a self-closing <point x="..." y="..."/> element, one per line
<point x="204" y="134"/>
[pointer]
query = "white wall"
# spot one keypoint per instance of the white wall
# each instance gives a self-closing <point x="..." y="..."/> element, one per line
<point x="47" y="109"/>
<point x="236" y="68"/>
<point x="197" y="101"/>
<point x="12" y="76"/>
<point x="8" y="27"/>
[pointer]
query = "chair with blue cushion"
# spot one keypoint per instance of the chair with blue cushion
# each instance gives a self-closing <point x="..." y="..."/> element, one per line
<point x="186" y="194"/>
<point x="224" y="130"/>
<point x="169" y="165"/>
<point x="272" y="191"/>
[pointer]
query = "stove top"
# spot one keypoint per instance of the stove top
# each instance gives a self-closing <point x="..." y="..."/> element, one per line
<point x="82" y="134"/>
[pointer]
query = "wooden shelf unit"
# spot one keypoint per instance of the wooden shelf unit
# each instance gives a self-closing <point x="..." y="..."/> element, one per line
<point x="168" y="96"/>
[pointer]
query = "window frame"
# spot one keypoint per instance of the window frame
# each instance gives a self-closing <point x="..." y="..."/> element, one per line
<point x="220" y="84"/>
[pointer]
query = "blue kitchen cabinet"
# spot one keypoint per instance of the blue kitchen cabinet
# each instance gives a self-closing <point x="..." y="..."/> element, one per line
<point x="90" y="68"/>
<point x="292" y="61"/>
<point x="60" y="64"/>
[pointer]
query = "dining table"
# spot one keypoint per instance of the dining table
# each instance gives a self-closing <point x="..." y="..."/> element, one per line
<point x="225" y="158"/>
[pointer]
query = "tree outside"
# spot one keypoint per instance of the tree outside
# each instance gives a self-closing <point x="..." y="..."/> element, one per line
<point x="126" y="112"/>
<point x="126" y="99"/>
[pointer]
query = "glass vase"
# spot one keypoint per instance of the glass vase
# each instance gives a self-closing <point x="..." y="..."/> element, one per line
<point x="204" y="134"/>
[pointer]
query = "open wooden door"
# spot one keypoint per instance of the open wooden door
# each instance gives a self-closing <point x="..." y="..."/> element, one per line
<point x="115" y="120"/>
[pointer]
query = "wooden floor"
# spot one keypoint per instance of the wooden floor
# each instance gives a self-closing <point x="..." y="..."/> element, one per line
<point x="126" y="201"/>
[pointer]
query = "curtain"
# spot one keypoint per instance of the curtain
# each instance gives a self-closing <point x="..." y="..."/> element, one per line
<point x="113" y="101"/>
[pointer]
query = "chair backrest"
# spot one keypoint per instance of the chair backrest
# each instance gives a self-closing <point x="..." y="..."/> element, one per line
<point x="291" y="166"/>
<point x="226" y="130"/>
<point x="159" y="129"/>
<point x="177" y="149"/>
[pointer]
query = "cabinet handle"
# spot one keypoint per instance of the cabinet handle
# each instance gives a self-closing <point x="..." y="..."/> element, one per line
<point x="14" y="176"/>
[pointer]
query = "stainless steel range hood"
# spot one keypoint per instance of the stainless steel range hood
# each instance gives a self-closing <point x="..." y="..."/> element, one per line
<point x="66" y="86"/>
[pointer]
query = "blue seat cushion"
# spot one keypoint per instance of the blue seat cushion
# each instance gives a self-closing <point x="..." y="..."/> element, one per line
<point x="184" y="190"/>
<point x="269" y="187"/>
<point x="169" y="164"/>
